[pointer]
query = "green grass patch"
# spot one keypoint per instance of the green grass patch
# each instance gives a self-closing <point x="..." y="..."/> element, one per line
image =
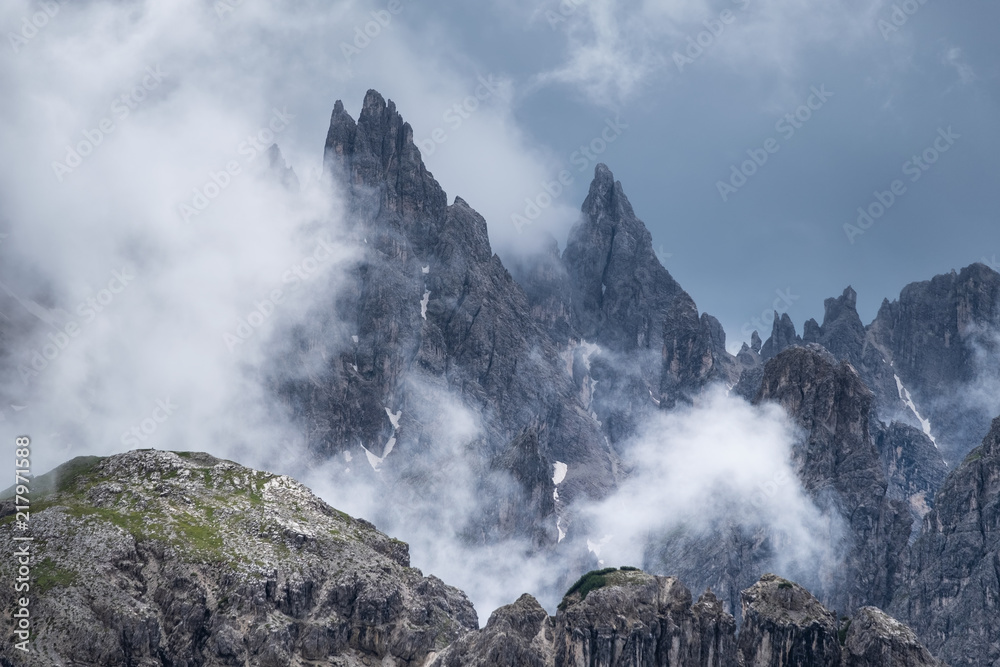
<point x="842" y="634"/>
<point x="60" y="480"/>
<point x="49" y="575"/>
<point x="596" y="579"/>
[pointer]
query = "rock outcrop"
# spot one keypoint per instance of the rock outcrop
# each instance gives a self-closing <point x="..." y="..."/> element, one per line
<point x="840" y="468"/>
<point x="155" y="558"/>
<point x="626" y="618"/>
<point x="784" y="625"/>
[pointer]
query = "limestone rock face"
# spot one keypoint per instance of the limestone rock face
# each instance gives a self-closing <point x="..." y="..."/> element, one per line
<point x="875" y="638"/>
<point x="626" y="618"/>
<point x="785" y="626"/>
<point x="952" y="594"/>
<point x="154" y="558"/>
<point x="429" y="330"/>
<point x="638" y="619"/>
<point x="839" y="467"/>
<point x="520" y="634"/>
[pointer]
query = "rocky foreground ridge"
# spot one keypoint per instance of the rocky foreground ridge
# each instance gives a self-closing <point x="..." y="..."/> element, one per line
<point x="181" y="559"/>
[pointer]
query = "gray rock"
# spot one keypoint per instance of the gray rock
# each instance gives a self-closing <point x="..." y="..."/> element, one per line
<point x="785" y="626"/>
<point x="840" y="468"/>
<point x="155" y="558"/>
<point x="952" y="595"/>
<point x="874" y="638"/>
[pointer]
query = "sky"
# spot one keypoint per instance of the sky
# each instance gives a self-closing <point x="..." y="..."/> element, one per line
<point x="139" y="232"/>
<point x="695" y="88"/>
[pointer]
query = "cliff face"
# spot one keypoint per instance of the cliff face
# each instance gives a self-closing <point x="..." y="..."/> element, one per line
<point x="840" y="468"/>
<point x="784" y="625"/>
<point x="952" y="594"/>
<point x="929" y="356"/>
<point x="429" y="318"/>
<point x="623" y="618"/>
<point x="155" y="558"/>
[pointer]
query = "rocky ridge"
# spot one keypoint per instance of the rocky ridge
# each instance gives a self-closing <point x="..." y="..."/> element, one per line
<point x="158" y="558"/>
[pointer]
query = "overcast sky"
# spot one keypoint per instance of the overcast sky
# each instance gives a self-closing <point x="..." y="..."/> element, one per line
<point x="693" y="86"/>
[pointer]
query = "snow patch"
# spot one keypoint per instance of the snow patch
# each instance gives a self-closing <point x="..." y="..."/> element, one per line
<point x="348" y="457"/>
<point x="394" y="418"/>
<point x="355" y="339"/>
<point x="655" y="400"/>
<point x="426" y="269"/>
<point x="562" y="533"/>
<point x="373" y="461"/>
<point x="559" y="472"/>
<point x="376" y="461"/>
<point x="904" y="395"/>
<point x="423" y="304"/>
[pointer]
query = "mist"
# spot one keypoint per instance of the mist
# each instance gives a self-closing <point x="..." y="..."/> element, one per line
<point x="152" y="254"/>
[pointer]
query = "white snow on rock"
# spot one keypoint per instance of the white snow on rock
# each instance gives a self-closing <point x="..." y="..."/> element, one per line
<point x="423" y="304"/>
<point x="558" y="475"/>
<point x="373" y="461"/>
<point x="394" y="418"/>
<point x="904" y="395"/>
<point x="426" y="269"/>
<point x="354" y="338"/>
<point x="376" y="461"/>
<point x="562" y="533"/>
<point x="559" y="472"/>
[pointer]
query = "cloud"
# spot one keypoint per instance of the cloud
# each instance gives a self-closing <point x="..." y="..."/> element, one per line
<point x="705" y="469"/>
<point x="616" y="50"/>
<point x="953" y="58"/>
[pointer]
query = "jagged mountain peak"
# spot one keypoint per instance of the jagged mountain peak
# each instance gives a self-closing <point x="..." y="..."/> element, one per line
<point x="376" y="158"/>
<point x="623" y="290"/>
<point x="607" y="201"/>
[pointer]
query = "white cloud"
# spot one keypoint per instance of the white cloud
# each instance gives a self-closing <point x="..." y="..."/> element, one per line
<point x="614" y="50"/>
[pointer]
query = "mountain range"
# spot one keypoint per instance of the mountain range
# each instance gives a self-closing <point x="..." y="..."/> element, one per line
<point x="528" y="391"/>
